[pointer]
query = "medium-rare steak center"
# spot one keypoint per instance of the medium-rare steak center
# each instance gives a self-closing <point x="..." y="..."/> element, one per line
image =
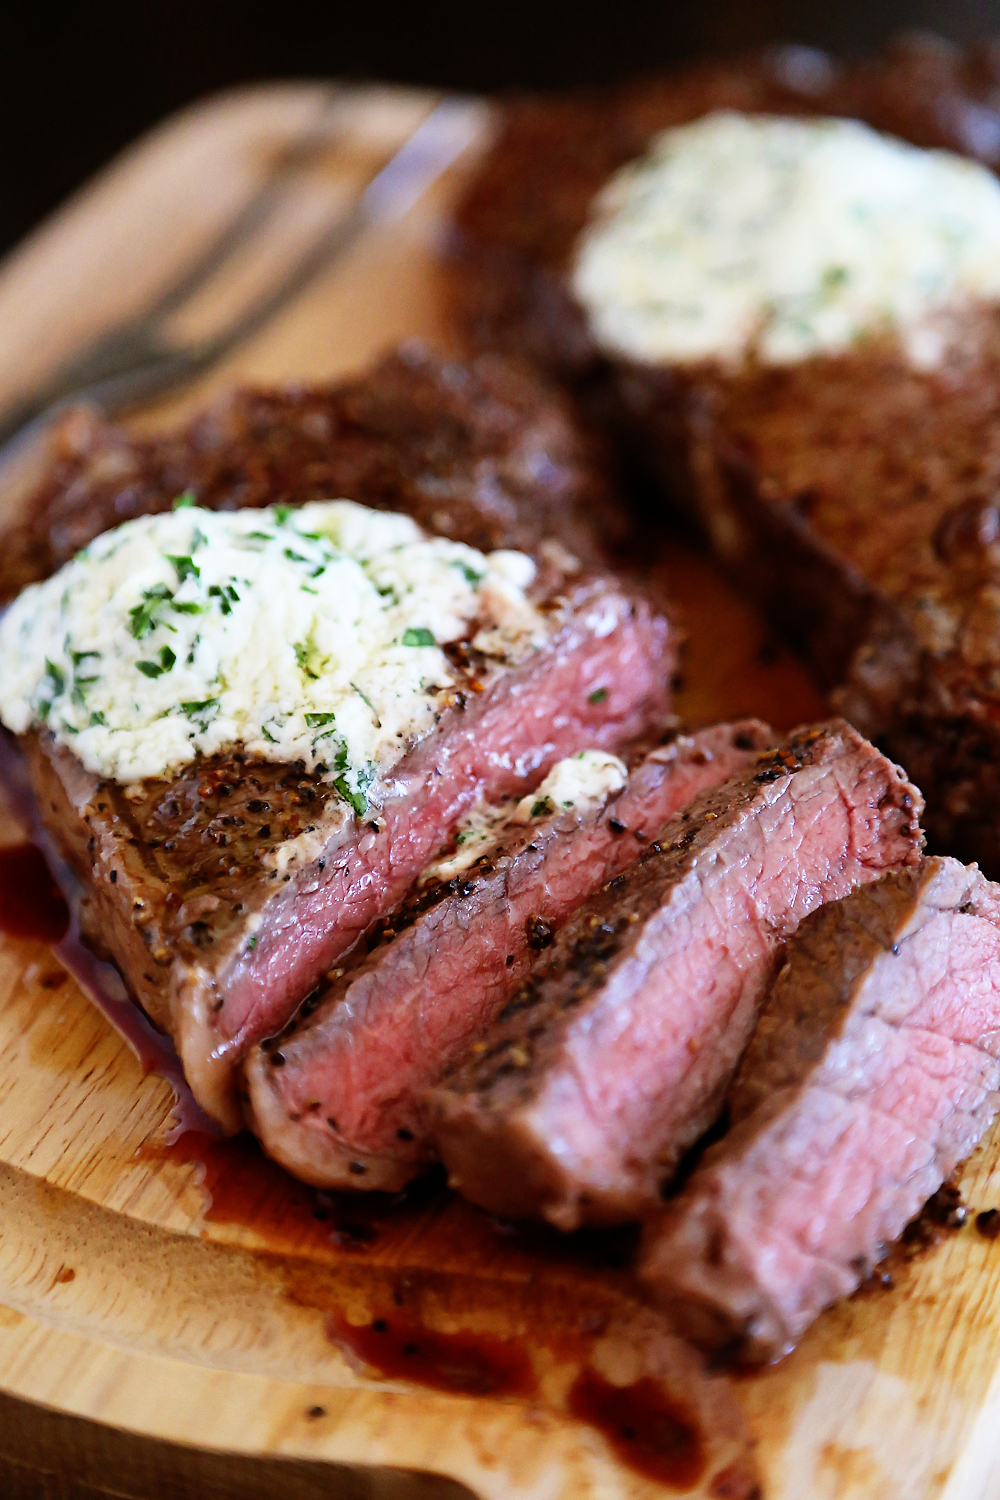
<point x="616" y="1053"/>
<point x="873" y="1073"/>
<point x="339" y="1099"/>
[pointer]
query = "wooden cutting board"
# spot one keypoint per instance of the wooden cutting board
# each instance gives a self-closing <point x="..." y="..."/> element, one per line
<point x="165" y="1313"/>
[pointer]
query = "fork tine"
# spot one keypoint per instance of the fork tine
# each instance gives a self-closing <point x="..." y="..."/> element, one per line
<point x="253" y="215"/>
<point x="440" y="137"/>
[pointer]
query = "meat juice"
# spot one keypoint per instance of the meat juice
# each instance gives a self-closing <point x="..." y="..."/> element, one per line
<point x="647" y="1428"/>
<point x="31" y="903"/>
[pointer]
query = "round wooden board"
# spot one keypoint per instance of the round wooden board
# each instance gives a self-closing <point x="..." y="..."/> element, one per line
<point x="152" y="1344"/>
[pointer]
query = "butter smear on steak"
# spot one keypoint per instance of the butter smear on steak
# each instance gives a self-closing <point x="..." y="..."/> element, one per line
<point x="312" y="634"/>
<point x="581" y="782"/>
<point x="786" y="238"/>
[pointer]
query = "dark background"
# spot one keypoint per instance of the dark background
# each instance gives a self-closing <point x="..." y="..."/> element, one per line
<point x="78" y="82"/>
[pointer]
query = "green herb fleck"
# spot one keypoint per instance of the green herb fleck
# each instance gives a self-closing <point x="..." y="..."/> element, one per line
<point x="365" y="699"/>
<point x="185" y="501"/>
<point x="543" y="805"/>
<point x="598" y="695"/>
<point x="417" y="636"/>
<point x="224" y="593"/>
<point x="327" y="724"/>
<point x="302" y="657"/>
<point x="57" y="677"/>
<point x="470" y="574"/>
<point x="144" y="616"/>
<point x="185" y="567"/>
<point x="97" y="718"/>
<point x="154" y="669"/>
<point x="202" y="712"/>
<point x="357" y="801"/>
<point x="281" y="513"/>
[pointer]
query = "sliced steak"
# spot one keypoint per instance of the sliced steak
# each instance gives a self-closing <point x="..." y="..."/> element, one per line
<point x="854" y="497"/>
<point x="226" y="893"/>
<point x="338" y="1099"/>
<point x="874" y="1071"/>
<point x="478" y="452"/>
<point x="616" y="1053"/>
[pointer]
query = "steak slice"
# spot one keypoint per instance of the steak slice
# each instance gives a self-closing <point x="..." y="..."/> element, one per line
<point x="854" y="497"/>
<point x="615" y="1055"/>
<point x="874" y="1071"/>
<point x="479" y="452"/>
<point x="225" y="893"/>
<point x="338" y="1099"/>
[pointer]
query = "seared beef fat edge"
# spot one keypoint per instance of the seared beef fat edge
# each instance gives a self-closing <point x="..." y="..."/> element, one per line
<point x="337" y="1098"/>
<point x="874" y="1071"/>
<point x="615" y="1055"/>
<point x="222" y="962"/>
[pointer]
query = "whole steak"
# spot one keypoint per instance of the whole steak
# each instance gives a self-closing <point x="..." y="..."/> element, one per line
<point x="853" y="496"/>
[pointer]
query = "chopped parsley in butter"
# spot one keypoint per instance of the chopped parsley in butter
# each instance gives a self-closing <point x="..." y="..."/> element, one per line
<point x="583" y="781"/>
<point x="312" y="634"/>
<point x="786" y="238"/>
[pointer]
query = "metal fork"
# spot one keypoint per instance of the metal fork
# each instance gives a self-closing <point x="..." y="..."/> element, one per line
<point x="137" y="359"/>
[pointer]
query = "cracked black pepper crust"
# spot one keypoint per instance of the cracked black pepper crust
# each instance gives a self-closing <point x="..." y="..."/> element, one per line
<point x="480" y="452"/>
<point x="607" y="927"/>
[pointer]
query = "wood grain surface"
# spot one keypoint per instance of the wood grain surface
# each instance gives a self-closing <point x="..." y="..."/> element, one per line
<point x="165" y="1313"/>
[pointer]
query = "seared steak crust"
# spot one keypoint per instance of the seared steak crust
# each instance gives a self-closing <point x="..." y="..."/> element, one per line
<point x="615" y="1054"/>
<point x="225" y="893"/>
<point x="479" y="452"/>
<point x="874" y="1071"/>
<point x="337" y="1097"/>
<point x="517" y="224"/>
<point x="855" y="498"/>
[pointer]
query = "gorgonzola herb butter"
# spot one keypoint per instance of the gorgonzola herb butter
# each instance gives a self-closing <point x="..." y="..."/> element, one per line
<point x="583" y="781"/>
<point x="312" y="634"/>
<point x="788" y="238"/>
